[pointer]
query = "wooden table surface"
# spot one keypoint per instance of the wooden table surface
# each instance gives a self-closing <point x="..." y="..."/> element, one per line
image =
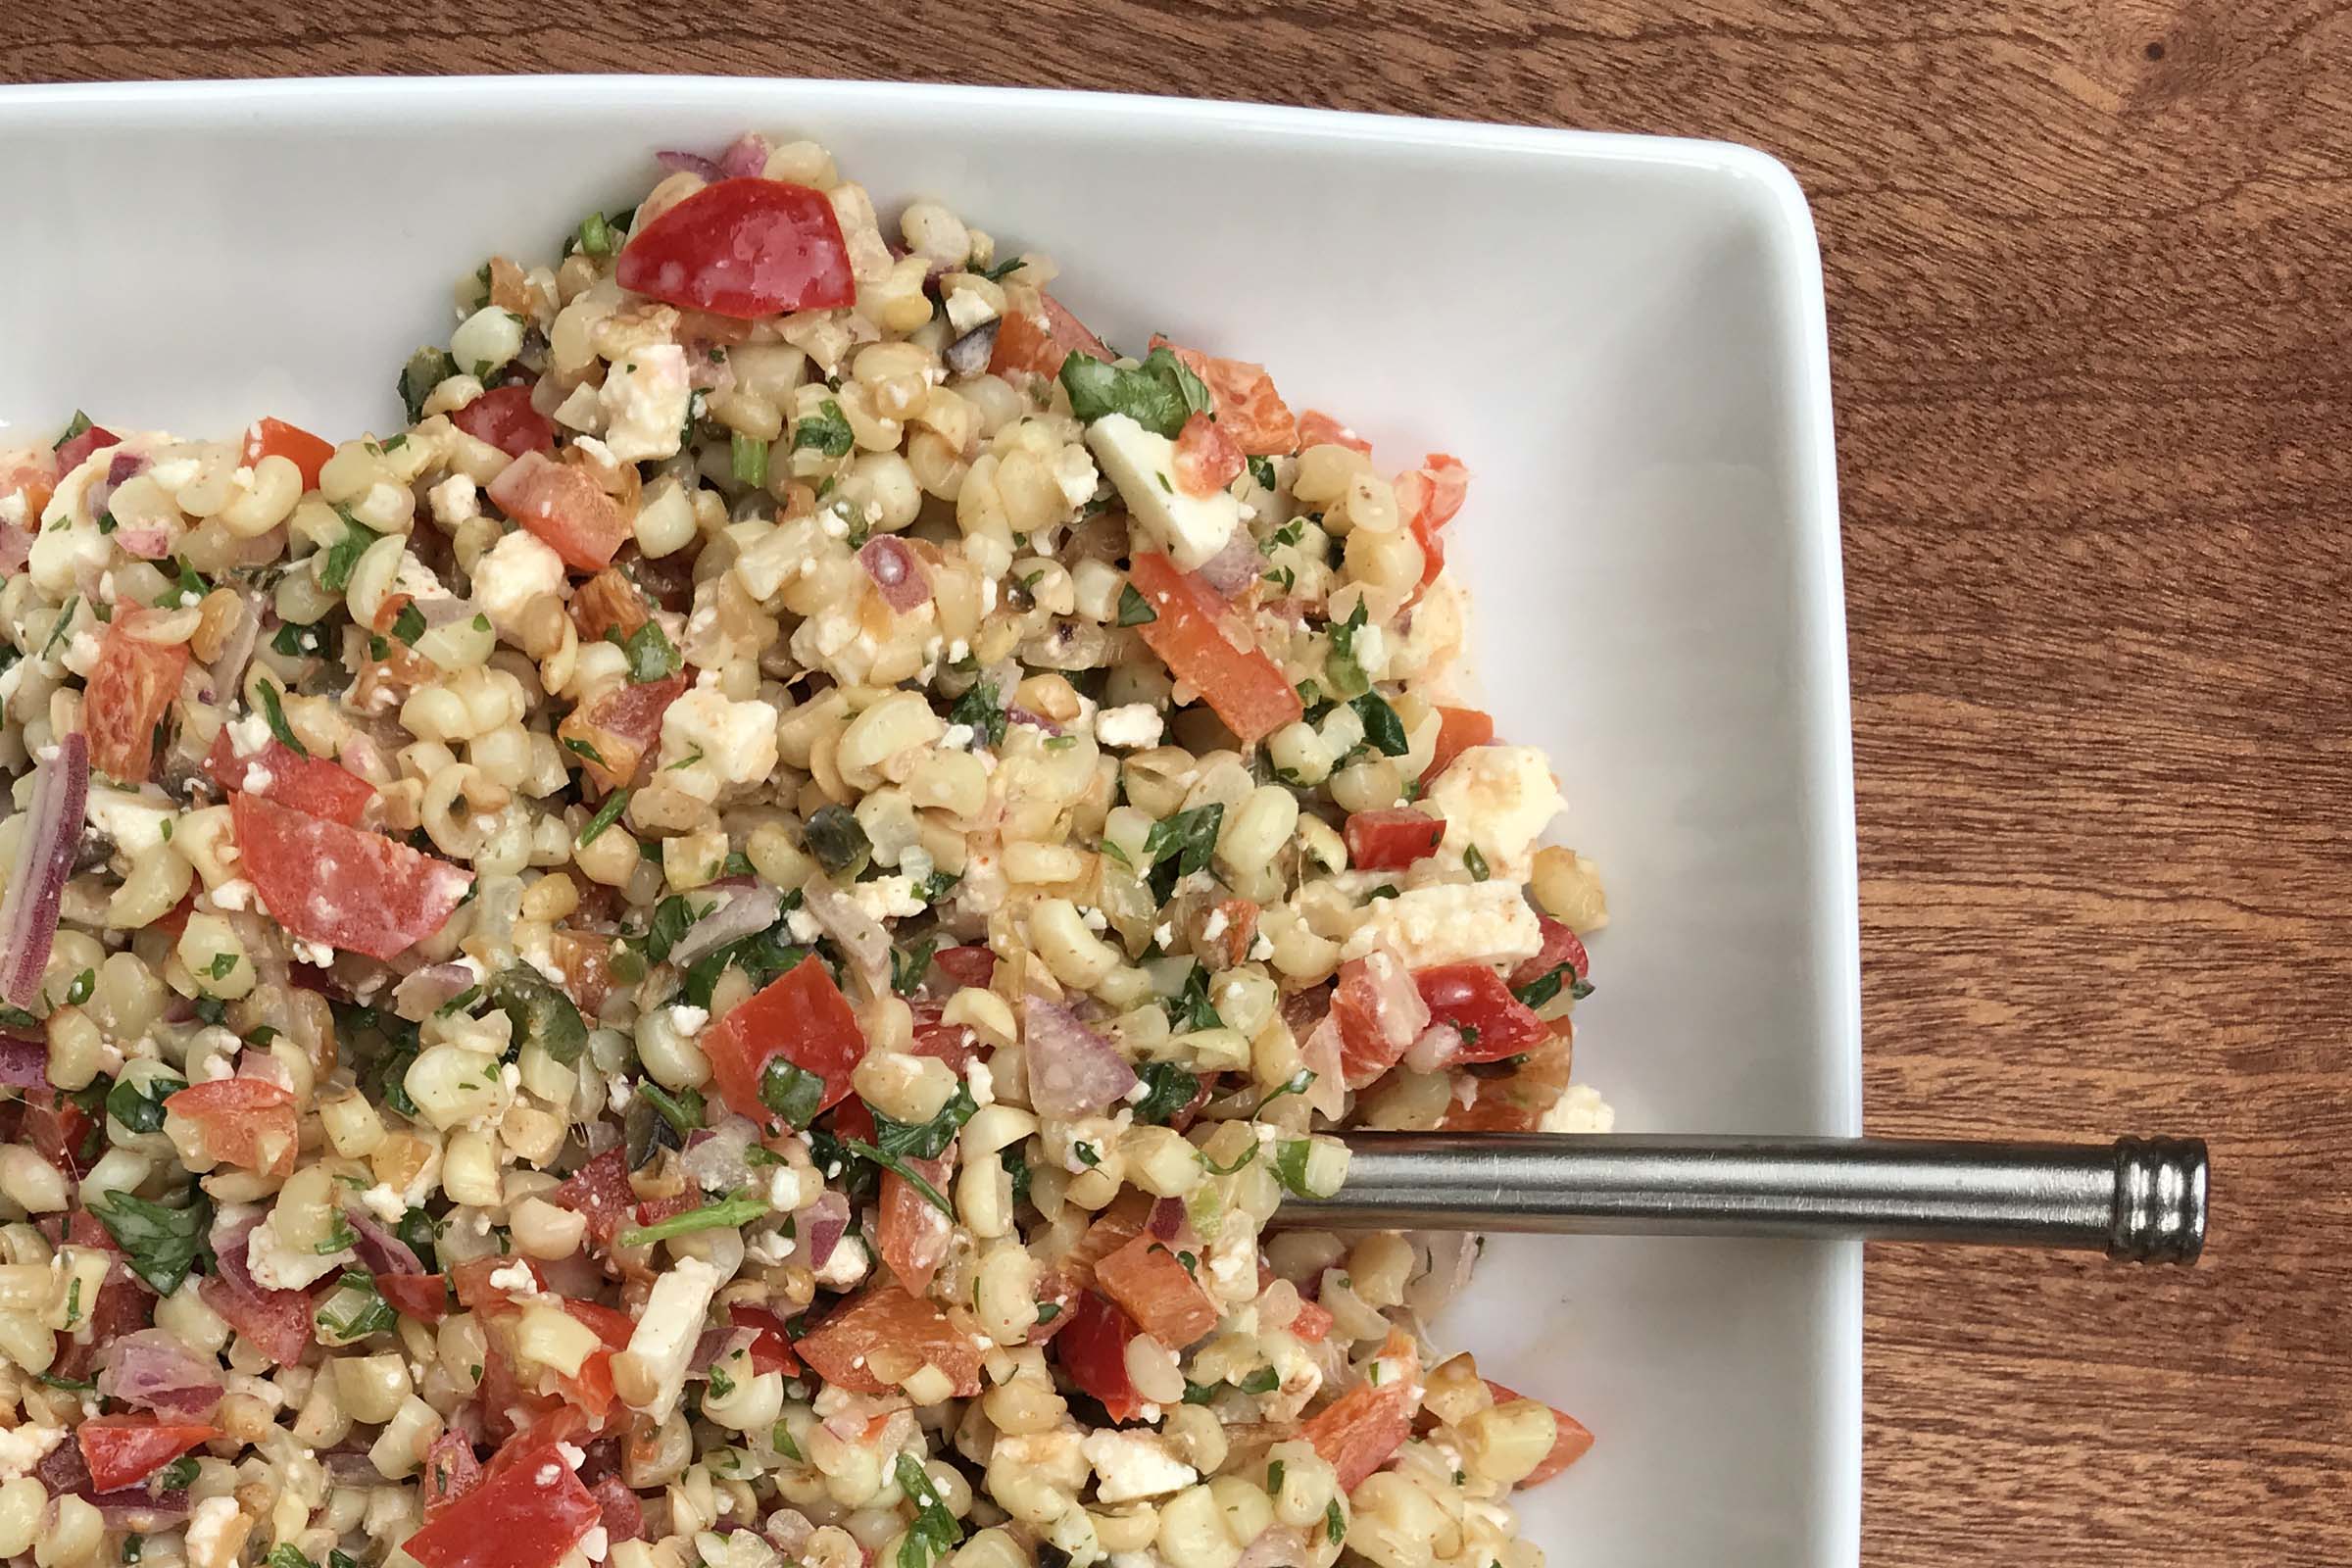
<point x="2088" y="297"/>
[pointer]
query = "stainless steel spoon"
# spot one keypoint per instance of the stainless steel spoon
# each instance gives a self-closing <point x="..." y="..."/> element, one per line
<point x="2137" y="1200"/>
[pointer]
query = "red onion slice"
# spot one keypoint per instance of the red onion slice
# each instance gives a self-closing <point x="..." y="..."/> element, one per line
<point x="746" y="909"/>
<point x="423" y="991"/>
<point x="745" y="158"/>
<point x="689" y="163"/>
<point x="823" y="1224"/>
<point x="898" y="575"/>
<point x="154" y="1369"/>
<point x="1072" y="1071"/>
<point x="1234" y="568"/>
<point x="61" y="793"/>
<point x="860" y="936"/>
<point x="1319" y="1053"/>
<point x="15" y="548"/>
<point x="383" y="1252"/>
<point x="1278" y="1547"/>
<point x="23" y="1064"/>
<point x="1168" y="1220"/>
<point x="148" y="542"/>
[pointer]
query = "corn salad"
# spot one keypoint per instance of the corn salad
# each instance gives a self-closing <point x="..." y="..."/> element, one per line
<point x="720" y="948"/>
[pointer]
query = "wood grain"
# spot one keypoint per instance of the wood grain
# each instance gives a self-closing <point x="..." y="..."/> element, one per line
<point x="2087" y="308"/>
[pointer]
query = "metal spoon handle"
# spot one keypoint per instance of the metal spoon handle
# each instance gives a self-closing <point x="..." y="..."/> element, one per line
<point x="2139" y="1200"/>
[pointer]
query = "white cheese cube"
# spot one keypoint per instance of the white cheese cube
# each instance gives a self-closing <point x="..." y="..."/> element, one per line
<point x="1499" y="798"/>
<point x="515" y="570"/>
<point x="645" y="402"/>
<point x="1474" y="922"/>
<point x="1142" y="464"/>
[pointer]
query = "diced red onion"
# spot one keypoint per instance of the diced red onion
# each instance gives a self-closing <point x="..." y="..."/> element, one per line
<point x="353" y="1466"/>
<point x="23" y="1063"/>
<point x="149" y="541"/>
<point x="823" y="1224"/>
<point x="1168" y="1220"/>
<point x="745" y="158"/>
<point x="1023" y="715"/>
<point x="1451" y="1255"/>
<point x="1073" y="1071"/>
<point x="422" y="990"/>
<point x="15" y="548"/>
<point x="260" y="550"/>
<point x="690" y="163"/>
<point x="133" y="1508"/>
<point x="707" y="1348"/>
<point x="1277" y="1547"/>
<point x="746" y="909"/>
<point x="898" y="575"/>
<point x="121" y="469"/>
<point x="969" y="354"/>
<point x="1437" y="1048"/>
<point x="61" y="792"/>
<point x="383" y="1252"/>
<point x="859" y="934"/>
<point x="1234" y="568"/>
<point x="63" y="1469"/>
<point x="152" y="1368"/>
<point x="1319" y="1053"/>
<point x="715" y="1159"/>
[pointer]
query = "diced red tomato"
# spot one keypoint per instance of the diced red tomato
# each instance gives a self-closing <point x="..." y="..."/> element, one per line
<point x="1319" y="429"/>
<point x="451" y="1470"/>
<point x="275" y="438"/>
<point x="853" y="1118"/>
<point x="771" y="1351"/>
<point x="1313" y="1322"/>
<point x="1458" y="730"/>
<point x="1427" y="497"/>
<point x="1572" y="1444"/>
<point x="884" y="1335"/>
<point x="422" y="1297"/>
<point x="479" y="1293"/>
<point x="654" y="1210"/>
<point x="743" y="249"/>
<point x="1040" y="343"/>
<point x="1560" y="946"/>
<point x="245" y="1122"/>
<point x="1093" y="1351"/>
<point x="502" y="1396"/>
<point x="335" y="884"/>
<point x="30" y="473"/>
<point x="1249" y="408"/>
<point x="623" y="1516"/>
<point x="1122" y="1222"/>
<point x="524" y="1514"/>
<point x="966" y="966"/>
<point x="1242" y="685"/>
<point x="800" y="1016"/>
<point x="1518" y="1103"/>
<point x="130" y="689"/>
<point x="1391" y="838"/>
<point x="1494" y="1023"/>
<point x="563" y="505"/>
<point x="1380" y="1013"/>
<point x="590" y="1390"/>
<point x="619" y="727"/>
<point x="1358" y="1431"/>
<point x="951" y="1042"/>
<point x="600" y="1191"/>
<point x="1154" y="1289"/>
<point x="73" y="453"/>
<point x="504" y="419"/>
<point x="1206" y="458"/>
<point x="913" y="1233"/>
<point x="278" y="772"/>
<point x="123" y="1451"/>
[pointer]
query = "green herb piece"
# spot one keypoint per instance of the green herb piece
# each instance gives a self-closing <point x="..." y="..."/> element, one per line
<point x="1273" y="1477"/>
<point x="338" y="1239"/>
<point x="211" y="1009"/>
<point x="1159" y="394"/>
<point x="935" y="888"/>
<point x="1335" y="1523"/>
<point x="596" y="235"/>
<point x="286" y="1554"/>
<point x="782" y="1442"/>
<point x="606" y="815"/>
<point x="838" y="840"/>
<point x="107" y="524"/>
<point x="1382" y="727"/>
<point x="1339" y="665"/>
<point x="651" y="654"/>
<point x="1289" y="1165"/>
<point x="1199" y="1393"/>
<point x="1297" y="1083"/>
<point x="1238" y="1160"/>
<point x="67" y="1385"/>
<point x="934" y="1532"/>
<point x="978" y="708"/>
<point x="1048" y="1311"/>
<point x="162" y="1244"/>
<point x="74" y="1300"/>
<point x="1016" y="1166"/>
<point x="224" y="965"/>
<point x="997" y="271"/>
<point x="1179" y="845"/>
<point x="296" y="641"/>
<point x="1168" y="1088"/>
<point x="688" y="760"/>
<point x="541" y="1013"/>
<point x="134" y="1546"/>
<point x="721" y="1385"/>
<point x="460" y="1003"/>
<point x="178" y="1475"/>
<point x="580" y="748"/>
<point x="728" y="1214"/>
<point x="1190" y="1009"/>
<point x="1265" y="1380"/>
<point x="904" y="1171"/>
<point x="334" y="572"/>
<point x="56" y="630"/>
<point x="141" y="1111"/>
<point x="1262" y="470"/>
<point x="79" y="424"/>
<point x="748" y="457"/>
<point x="683" y="1111"/>
<point x="672" y="918"/>
<point x="1476" y="863"/>
<point x="792" y="1092"/>
<point x="84" y="984"/>
<point x="408" y="624"/>
<point x="1547" y="986"/>
<point x="1134" y="609"/>
<point x="825" y="432"/>
<point x="355" y="1308"/>
<point x="1086" y="1155"/>
<point x="274" y="713"/>
<point x="908" y="965"/>
<point x="925" y="1140"/>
